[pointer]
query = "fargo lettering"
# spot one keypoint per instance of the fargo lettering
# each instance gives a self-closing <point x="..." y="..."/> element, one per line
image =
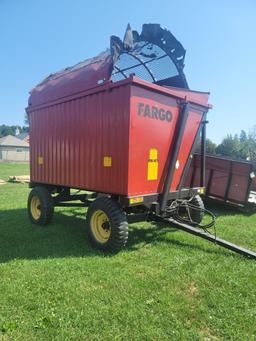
<point x="146" y="110"/>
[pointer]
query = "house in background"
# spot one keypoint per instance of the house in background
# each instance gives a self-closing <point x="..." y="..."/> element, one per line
<point x="13" y="149"/>
<point x="23" y="137"/>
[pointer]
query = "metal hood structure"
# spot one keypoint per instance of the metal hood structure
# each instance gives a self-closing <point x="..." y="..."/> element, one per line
<point x="155" y="55"/>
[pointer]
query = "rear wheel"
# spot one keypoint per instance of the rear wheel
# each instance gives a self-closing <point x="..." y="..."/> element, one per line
<point x="107" y="225"/>
<point x="194" y="213"/>
<point x="197" y="214"/>
<point x="40" y="206"/>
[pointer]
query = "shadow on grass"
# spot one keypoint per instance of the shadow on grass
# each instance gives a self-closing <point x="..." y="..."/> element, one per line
<point x="158" y="234"/>
<point x="222" y="209"/>
<point x="66" y="237"/>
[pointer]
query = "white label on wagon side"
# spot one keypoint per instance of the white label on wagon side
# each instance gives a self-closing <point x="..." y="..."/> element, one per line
<point x="252" y="197"/>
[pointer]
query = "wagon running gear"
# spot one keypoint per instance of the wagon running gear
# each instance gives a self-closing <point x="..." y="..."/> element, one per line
<point x="107" y="225"/>
<point x="40" y="206"/>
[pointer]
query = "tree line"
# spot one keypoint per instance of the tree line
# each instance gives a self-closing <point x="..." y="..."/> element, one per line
<point x="242" y="146"/>
<point x="10" y="130"/>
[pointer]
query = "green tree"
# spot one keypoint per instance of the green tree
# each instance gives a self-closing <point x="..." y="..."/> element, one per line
<point x="7" y="130"/>
<point x="242" y="147"/>
<point x="243" y="136"/>
<point x="10" y="130"/>
<point x="210" y="147"/>
<point x="251" y="144"/>
<point x="252" y="133"/>
<point x="230" y="146"/>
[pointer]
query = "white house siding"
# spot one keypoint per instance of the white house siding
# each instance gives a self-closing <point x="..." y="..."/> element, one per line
<point x="9" y="153"/>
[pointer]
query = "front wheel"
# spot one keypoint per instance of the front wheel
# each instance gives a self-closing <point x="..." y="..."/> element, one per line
<point x="40" y="206"/>
<point x="107" y="225"/>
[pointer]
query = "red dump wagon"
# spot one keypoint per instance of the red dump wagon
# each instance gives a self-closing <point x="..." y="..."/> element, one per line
<point x="121" y="129"/>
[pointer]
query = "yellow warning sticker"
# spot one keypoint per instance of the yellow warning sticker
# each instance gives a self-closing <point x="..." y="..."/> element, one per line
<point x="153" y="164"/>
<point x="136" y="200"/>
<point x="40" y="160"/>
<point x="201" y="190"/>
<point x="107" y="161"/>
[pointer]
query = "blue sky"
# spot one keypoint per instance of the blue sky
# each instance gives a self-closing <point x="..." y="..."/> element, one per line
<point x="40" y="37"/>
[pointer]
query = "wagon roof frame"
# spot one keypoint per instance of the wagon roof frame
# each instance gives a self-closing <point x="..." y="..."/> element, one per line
<point x="148" y="48"/>
<point x="194" y="97"/>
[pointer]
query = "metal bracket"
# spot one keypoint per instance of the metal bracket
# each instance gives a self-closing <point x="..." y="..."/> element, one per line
<point x="173" y="154"/>
<point x="199" y="233"/>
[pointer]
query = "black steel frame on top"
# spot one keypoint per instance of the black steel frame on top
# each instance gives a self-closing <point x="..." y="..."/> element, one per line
<point x="174" y="151"/>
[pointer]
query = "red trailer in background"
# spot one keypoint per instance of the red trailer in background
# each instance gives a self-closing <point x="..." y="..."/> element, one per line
<point x="226" y="180"/>
<point x="127" y="140"/>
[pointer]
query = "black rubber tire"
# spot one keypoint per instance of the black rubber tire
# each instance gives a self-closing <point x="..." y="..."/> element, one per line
<point x="197" y="216"/>
<point x="46" y="205"/>
<point x="117" y="220"/>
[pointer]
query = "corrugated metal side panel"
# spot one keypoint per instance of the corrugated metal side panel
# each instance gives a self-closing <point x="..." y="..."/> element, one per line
<point x="73" y="138"/>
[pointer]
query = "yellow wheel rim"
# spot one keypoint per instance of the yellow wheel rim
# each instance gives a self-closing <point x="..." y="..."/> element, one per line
<point x="35" y="207"/>
<point x="100" y="226"/>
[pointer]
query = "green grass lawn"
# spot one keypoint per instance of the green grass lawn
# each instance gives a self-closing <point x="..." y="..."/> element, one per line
<point x="166" y="284"/>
